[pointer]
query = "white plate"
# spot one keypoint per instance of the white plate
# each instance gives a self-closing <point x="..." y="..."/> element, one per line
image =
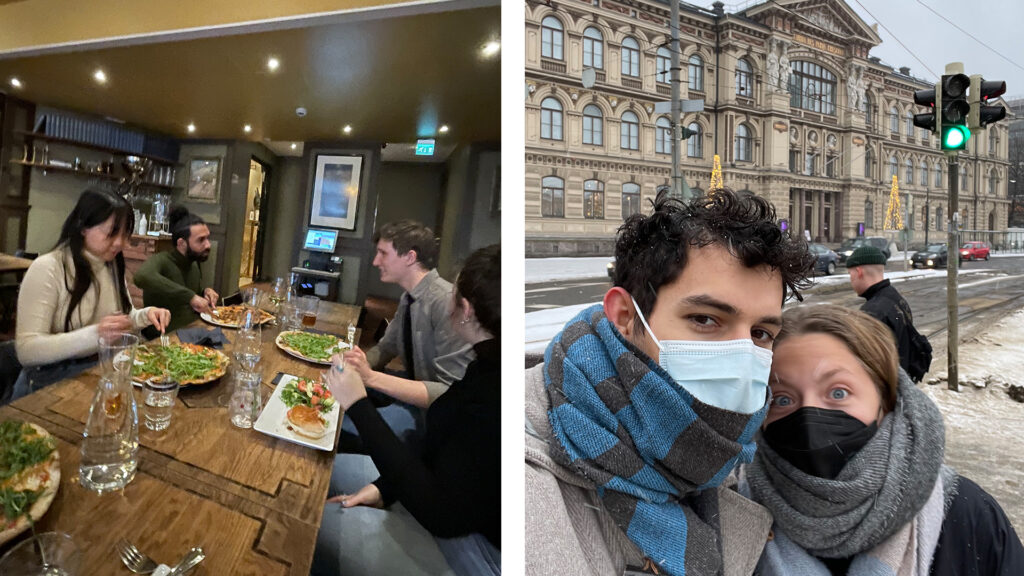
<point x="340" y="347"/>
<point x="213" y="320"/>
<point x="273" y="421"/>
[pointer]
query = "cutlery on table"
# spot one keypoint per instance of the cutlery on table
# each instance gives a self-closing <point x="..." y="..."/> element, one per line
<point x="192" y="559"/>
<point x="134" y="559"/>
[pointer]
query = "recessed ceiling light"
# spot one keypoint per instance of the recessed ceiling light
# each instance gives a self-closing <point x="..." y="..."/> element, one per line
<point x="191" y="127"/>
<point x="247" y="128"/>
<point x="294" y="145"/>
<point x="15" y="82"/>
<point x="347" y="129"/>
<point x="491" y="48"/>
<point x="273" y="63"/>
<point x="443" y="129"/>
<point x="100" y="76"/>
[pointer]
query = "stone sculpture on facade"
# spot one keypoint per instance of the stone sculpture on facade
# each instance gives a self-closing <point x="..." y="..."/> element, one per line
<point x="855" y="86"/>
<point x="778" y="65"/>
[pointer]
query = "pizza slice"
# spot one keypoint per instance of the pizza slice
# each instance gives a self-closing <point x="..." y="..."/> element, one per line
<point x="29" y="475"/>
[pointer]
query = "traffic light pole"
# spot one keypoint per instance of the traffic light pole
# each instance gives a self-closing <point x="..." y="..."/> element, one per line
<point x="952" y="266"/>
<point x="677" y="184"/>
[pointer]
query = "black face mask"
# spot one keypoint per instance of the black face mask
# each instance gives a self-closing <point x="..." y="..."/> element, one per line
<point x="818" y="441"/>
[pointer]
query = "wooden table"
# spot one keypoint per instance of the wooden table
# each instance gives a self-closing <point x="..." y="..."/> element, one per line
<point x="330" y="313"/>
<point x="253" y="502"/>
<point x="10" y="263"/>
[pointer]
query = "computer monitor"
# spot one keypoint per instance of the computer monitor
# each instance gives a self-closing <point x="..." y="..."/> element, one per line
<point x="320" y="240"/>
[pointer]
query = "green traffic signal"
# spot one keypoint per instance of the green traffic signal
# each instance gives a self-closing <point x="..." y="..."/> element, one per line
<point x="955" y="137"/>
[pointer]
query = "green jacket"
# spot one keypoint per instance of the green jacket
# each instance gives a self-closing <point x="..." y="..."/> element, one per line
<point x="169" y="280"/>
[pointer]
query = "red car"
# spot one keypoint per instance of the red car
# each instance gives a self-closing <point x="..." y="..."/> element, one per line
<point x="974" y="251"/>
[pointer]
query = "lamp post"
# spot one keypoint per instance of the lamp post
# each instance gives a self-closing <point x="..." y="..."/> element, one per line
<point x="927" y="214"/>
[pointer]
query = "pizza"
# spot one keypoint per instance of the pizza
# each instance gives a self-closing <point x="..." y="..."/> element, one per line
<point x="233" y="316"/>
<point x="29" y="475"/>
<point x="188" y="363"/>
<point x="311" y="346"/>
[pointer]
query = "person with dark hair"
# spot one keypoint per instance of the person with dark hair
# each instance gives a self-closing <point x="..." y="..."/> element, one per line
<point x="76" y="293"/>
<point x="645" y="404"/>
<point x="173" y="279"/>
<point x="432" y="354"/>
<point x="452" y="491"/>
<point x="850" y="464"/>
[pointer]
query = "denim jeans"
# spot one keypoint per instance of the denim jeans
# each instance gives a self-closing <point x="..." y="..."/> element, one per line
<point x="34" y="378"/>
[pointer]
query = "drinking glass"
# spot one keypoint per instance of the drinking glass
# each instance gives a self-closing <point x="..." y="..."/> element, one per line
<point x="248" y="346"/>
<point x="310" y="306"/>
<point x="48" y="553"/>
<point x="244" y="406"/>
<point x="158" y="401"/>
<point x="117" y="356"/>
<point x="289" y="312"/>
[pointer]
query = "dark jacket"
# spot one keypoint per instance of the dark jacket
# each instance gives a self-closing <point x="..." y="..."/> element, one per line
<point x="886" y="304"/>
<point x="170" y="280"/>
<point x="977" y="539"/>
<point x="455" y="488"/>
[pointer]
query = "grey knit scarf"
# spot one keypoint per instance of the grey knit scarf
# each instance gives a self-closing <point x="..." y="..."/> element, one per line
<point x="878" y="491"/>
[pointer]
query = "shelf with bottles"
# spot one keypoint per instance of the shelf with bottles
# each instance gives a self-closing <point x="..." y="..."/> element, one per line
<point x="89" y="146"/>
<point x="70" y="169"/>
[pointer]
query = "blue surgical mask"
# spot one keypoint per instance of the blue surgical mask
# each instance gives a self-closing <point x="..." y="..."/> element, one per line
<point x="732" y="374"/>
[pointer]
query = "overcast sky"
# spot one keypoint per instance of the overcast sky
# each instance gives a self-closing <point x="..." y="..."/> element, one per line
<point x="997" y="23"/>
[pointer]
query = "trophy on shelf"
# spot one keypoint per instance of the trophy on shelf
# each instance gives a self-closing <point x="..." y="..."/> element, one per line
<point x="135" y="168"/>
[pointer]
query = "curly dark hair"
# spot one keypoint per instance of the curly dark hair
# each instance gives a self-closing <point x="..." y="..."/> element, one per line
<point x="480" y="283"/>
<point x="651" y="250"/>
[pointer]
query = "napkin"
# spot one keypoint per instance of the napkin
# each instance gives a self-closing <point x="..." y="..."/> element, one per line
<point x="202" y="336"/>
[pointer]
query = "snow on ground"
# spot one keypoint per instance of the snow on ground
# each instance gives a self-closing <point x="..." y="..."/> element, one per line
<point x="984" y="426"/>
<point x="552" y="269"/>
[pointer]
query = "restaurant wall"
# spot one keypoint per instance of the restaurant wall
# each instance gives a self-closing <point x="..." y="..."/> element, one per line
<point x="468" y="220"/>
<point x="212" y="213"/>
<point x="283" y="218"/>
<point x="407" y="190"/>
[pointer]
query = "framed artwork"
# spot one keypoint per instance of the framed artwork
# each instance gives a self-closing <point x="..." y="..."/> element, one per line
<point x="203" y="180"/>
<point x="336" y="191"/>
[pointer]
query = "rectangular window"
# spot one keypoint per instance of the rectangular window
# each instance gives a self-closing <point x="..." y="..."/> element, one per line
<point x="552" y="202"/>
<point x="794" y="161"/>
<point x="809" y="164"/>
<point x="630" y="204"/>
<point x="593" y="204"/>
<point x="830" y="166"/>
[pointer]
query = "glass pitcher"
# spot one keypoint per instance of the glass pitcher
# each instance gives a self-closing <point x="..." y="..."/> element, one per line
<point x="110" y="442"/>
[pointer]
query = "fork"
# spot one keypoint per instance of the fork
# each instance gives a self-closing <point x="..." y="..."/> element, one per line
<point x="133" y="558"/>
<point x="165" y="340"/>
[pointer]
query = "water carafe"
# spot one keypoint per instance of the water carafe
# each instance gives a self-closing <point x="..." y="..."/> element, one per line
<point x="110" y="443"/>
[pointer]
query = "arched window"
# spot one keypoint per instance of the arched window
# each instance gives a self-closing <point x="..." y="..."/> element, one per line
<point x="695" y="144"/>
<point x="938" y="175"/>
<point x="812" y="87"/>
<point x="663" y="136"/>
<point x="744" y="78"/>
<point x="551" y="38"/>
<point x="742" y="145"/>
<point x="938" y="218"/>
<point x="696" y="73"/>
<point x="552" y="197"/>
<point x="910" y="124"/>
<point x="593" y="48"/>
<point x="892" y="166"/>
<point x="894" y="120"/>
<point x="629" y="131"/>
<point x="551" y="119"/>
<point x="663" y="63"/>
<point x="869" y="214"/>
<point x="630" y="57"/>
<point x="868" y="106"/>
<point x="593" y="125"/>
<point x="663" y="188"/>
<point x="909" y="171"/>
<point x="593" y="199"/>
<point x="869" y="160"/>
<point x="630" y="199"/>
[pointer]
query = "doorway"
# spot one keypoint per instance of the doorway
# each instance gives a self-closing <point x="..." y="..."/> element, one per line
<point x="252" y="231"/>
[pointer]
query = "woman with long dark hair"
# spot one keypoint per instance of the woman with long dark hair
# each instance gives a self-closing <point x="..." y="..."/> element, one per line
<point x="449" y="520"/>
<point x="76" y="293"/>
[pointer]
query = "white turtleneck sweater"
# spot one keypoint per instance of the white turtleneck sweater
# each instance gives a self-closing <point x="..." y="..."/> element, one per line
<point x="43" y="301"/>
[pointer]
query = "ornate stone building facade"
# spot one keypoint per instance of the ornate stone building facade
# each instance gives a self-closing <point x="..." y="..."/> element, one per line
<point x="795" y="107"/>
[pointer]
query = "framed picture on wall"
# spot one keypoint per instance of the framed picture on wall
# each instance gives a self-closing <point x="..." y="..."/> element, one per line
<point x="336" y="191"/>
<point x="203" y="180"/>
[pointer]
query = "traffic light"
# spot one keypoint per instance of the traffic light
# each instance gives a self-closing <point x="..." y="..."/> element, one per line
<point x="953" y="111"/>
<point x="685" y="132"/>
<point x="981" y="90"/>
<point x="930" y="98"/>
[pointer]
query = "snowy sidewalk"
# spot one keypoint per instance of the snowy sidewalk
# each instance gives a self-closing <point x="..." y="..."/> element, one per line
<point x="554" y="269"/>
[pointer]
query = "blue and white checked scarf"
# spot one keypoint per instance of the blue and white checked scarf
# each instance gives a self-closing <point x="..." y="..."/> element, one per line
<point x="650" y="449"/>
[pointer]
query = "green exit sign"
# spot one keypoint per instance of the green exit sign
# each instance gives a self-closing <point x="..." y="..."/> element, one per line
<point x="425" y="147"/>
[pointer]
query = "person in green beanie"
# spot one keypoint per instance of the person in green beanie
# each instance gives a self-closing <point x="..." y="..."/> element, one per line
<point x="173" y="279"/>
<point x="885" y="303"/>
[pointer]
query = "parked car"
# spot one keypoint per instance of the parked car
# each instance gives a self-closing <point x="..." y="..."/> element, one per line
<point x="611" y="269"/>
<point x="851" y="244"/>
<point x="974" y="251"/>
<point x="827" y="259"/>
<point x="933" y="256"/>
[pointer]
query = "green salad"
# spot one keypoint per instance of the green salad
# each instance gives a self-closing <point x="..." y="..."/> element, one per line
<point x="308" y="392"/>
<point x="184" y="365"/>
<point x="315" y="346"/>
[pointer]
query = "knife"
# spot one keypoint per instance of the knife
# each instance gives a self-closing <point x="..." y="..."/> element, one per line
<point x="192" y="558"/>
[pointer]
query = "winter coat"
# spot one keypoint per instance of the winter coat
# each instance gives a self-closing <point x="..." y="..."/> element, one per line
<point x="885" y="303"/>
<point x="569" y="531"/>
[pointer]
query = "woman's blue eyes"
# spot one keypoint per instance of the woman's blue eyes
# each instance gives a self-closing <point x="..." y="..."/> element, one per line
<point x="835" y="394"/>
<point x="838" y="394"/>
<point x="782" y="401"/>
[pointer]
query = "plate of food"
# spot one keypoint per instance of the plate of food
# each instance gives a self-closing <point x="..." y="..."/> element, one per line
<point x="231" y="316"/>
<point x="191" y="364"/>
<point x="29" y="475"/>
<point x="303" y="411"/>
<point x="311" y="347"/>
